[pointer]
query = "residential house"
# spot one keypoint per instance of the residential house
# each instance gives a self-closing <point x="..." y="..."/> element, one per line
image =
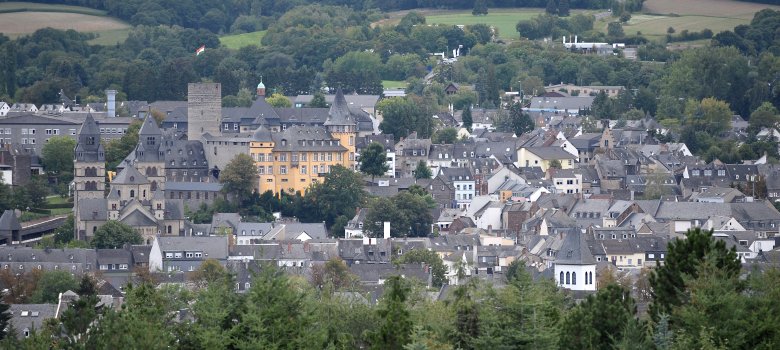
<point x="544" y="157"/>
<point x="186" y="253"/>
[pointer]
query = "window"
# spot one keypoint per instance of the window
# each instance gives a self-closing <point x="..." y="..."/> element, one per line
<point x="567" y="278"/>
<point x="561" y="278"/>
<point x="283" y="157"/>
<point x="168" y="255"/>
<point x="103" y="266"/>
<point x="303" y="170"/>
<point x="573" y="278"/>
<point x="303" y="156"/>
<point x="123" y="266"/>
<point x="198" y="254"/>
<point x="270" y="170"/>
<point x="261" y="170"/>
<point x="177" y="255"/>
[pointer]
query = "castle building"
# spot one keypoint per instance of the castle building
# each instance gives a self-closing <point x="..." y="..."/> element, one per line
<point x="297" y="156"/>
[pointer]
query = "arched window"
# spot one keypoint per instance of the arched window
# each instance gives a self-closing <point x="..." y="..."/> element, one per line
<point x="573" y="278"/>
<point x="561" y="277"/>
<point x="132" y="193"/>
<point x="567" y="278"/>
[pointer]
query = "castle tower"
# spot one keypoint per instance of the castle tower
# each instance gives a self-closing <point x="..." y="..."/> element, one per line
<point x="204" y="109"/>
<point x="150" y="160"/>
<point x="342" y="125"/>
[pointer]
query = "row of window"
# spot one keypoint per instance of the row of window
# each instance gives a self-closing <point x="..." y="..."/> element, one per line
<point x="572" y="278"/>
<point x="56" y="267"/>
<point x="303" y="170"/>
<point x="302" y="156"/>
<point x="178" y="255"/>
<point x="110" y="131"/>
<point x="105" y="267"/>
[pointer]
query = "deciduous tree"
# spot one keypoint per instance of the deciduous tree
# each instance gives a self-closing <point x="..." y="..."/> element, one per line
<point x="373" y="160"/>
<point x="114" y="234"/>
<point x="239" y="177"/>
<point x="58" y="157"/>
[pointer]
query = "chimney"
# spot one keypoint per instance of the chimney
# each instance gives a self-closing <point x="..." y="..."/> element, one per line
<point x="111" y="103"/>
<point x="386" y="229"/>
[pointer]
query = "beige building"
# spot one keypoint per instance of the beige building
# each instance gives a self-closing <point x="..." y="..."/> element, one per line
<point x="296" y="157"/>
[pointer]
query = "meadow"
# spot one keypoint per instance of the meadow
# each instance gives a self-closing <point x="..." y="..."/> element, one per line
<point x="692" y="15"/>
<point x="238" y="41"/>
<point x="21" y="18"/>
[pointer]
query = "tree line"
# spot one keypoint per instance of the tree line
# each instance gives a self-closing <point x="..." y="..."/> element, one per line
<point x="699" y="299"/>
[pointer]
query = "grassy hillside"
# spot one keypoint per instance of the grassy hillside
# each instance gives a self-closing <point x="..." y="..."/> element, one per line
<point x="21" y="18"/>
<point x="238" y="41"/>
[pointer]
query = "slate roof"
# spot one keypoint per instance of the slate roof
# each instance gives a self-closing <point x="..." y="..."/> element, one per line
<point x="130" y="176"/>
<point x="30" y="317"/>
<point x="306" y="138"/>
<point x="213" y="247"/>
<point x="550" y="153"/>
<point x="93" y="209"/>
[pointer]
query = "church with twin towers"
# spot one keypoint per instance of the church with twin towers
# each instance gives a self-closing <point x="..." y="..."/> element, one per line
<point x="177" y="164"/>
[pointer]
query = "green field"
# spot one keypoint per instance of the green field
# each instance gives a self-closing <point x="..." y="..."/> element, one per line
<point x="238" y="41"/>
<point x="504" y="20"/>
<point x="6" y="7"/>
<point x="110" y="37"/>
<point x="22" y="18"/>
<point x="393" y="84"/>
<point x="655" y="26"/>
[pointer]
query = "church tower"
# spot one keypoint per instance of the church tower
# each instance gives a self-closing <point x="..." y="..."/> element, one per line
<point x="204" y="109"/>
<point x="89" y="168"/>
<point x="342" y="125"/>
<point x="90" y="162"/>
<point x="150" y="159"/>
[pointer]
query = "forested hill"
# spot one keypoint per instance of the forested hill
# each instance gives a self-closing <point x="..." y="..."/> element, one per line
<point x="217" y="15"/>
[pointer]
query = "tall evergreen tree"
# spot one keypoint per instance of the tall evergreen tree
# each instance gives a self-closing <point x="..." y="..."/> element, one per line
<point x="683" y="258"/>
<point x="422" y="171"/>
<point x="598" y="321"/>
<point x="552" y="7"/>
<point x="396" y="328"/>
<point x="563" y="8"/>
<point x="5" y="319"/>
<point x="466" y="118"/>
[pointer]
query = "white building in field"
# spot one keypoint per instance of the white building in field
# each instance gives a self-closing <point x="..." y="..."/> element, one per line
<point x="575" y="267"/>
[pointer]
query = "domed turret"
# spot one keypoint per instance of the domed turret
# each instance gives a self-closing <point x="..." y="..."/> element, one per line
<point x="261" y="88"/>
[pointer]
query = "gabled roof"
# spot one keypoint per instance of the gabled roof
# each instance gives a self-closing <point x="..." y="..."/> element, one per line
<point x="130" y="176"/>
<point x="550" y="153"/>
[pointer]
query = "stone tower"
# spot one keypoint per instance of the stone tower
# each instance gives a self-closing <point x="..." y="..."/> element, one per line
<point x="150" y="159"/>
<point x="89" y="167"/>
<point x="343" y="126"/>
<point x="90" y="162"/>
<point x="204" y="109"/>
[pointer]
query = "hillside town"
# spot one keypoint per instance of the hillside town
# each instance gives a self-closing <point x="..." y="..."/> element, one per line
<point x="562" y="201"/>
<point x="278" y="174"/>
